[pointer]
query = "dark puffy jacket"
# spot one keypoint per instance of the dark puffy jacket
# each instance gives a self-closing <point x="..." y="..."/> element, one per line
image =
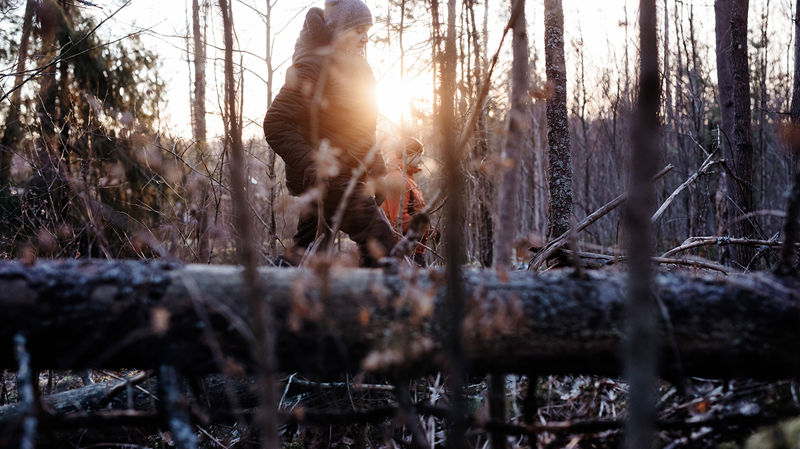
<point x="345" y="107"/>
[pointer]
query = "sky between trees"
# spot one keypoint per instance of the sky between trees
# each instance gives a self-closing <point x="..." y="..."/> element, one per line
<point x="599" y="26"/>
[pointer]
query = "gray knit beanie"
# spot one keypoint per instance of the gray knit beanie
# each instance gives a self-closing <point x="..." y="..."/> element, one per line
<point x="342" y="15"/>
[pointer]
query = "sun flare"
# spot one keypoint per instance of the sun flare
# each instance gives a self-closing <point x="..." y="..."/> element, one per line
<point x="398" y="98"/>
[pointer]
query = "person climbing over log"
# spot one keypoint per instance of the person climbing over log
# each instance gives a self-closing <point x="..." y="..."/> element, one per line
<point x="322" y="124"/>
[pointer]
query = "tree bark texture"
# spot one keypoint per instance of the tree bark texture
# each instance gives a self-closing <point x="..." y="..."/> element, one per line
<point x="80" y="314"/>
<point x="722" y="14"/>
<point x="733" y="72"/>
<point x="518" y="128"/>
<point x="560" y="178"/>
<point x="199" y="131"/>
<point x="199" y="119"/>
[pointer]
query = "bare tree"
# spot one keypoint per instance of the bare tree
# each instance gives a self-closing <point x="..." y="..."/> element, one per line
<point x="199" y="130"/>
<point x="796" y="84"/>
<point x="484" y="190"/>
<point x="560" y="180"/>
<point x="641" y="345"/>
<point x="454" y="240"/>
<point x="271" y="159"/>
<point x="13" y="131"/>
<point x="786" y="266"/>
<point x="733" y="73"/>
<point x="518" y="126"/>
<point x="263" y="350"/>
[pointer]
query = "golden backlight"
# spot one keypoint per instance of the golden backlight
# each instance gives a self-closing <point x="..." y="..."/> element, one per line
<point x="397" y="96"/>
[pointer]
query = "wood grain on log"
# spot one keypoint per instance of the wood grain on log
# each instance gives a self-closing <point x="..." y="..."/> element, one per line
<point x="81" y="314"/>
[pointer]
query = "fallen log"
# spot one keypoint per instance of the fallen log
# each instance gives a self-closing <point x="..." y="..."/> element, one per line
<point x="111" y="314"/>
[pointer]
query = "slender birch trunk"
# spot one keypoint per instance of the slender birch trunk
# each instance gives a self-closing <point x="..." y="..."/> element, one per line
<point x="199" y="131"/>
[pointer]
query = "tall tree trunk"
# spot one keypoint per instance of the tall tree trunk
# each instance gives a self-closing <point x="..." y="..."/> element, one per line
<point x="796" y="83"/>
<point x="436" y="51"/>
<point x="273" y="180"/>
<point x="260" y="323"/>
<point x="13" y="129"/>
<point x="733" y="72"/>
<point x="48" y="13"/>
<point x="454" y="238"/>
<point x="795" y="107"/>
<point x="560" y="180"/>
<point x="641" y="312"/>
<point x="787" y="264"/>
<point x="483" y="225"/>
<point x="742" y="131"/>
<point x="667" y="81"/>
<point x="48" y="181"/>
<point x="199" y="131"/>
<point x="518" y="128"/>
<point x="763" y="102"/>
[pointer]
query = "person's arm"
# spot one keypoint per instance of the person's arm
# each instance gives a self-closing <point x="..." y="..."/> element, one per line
<point x="287" y="115"/>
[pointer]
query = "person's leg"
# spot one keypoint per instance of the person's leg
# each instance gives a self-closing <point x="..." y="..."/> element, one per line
<point x="362" y="220"/>
<point x="305" y="235"/>
<point x="306" y="230"/>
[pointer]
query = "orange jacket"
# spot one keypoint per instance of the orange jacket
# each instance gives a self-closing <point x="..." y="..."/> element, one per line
<point x="403" y="193"/>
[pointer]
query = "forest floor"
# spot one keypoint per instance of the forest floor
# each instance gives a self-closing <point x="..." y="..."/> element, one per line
<point x="708" y="413"/>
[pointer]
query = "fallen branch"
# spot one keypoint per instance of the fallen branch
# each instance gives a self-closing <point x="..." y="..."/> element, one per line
<point x="708" y="163"/>
<point x="697" y="242"/>
<point x="310" y="385"/>
<point x="562" y="240"/>
<point x="691" y="262"/>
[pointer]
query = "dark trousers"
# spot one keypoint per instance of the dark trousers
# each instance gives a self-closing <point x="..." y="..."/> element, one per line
<point x="362" y="220"/>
